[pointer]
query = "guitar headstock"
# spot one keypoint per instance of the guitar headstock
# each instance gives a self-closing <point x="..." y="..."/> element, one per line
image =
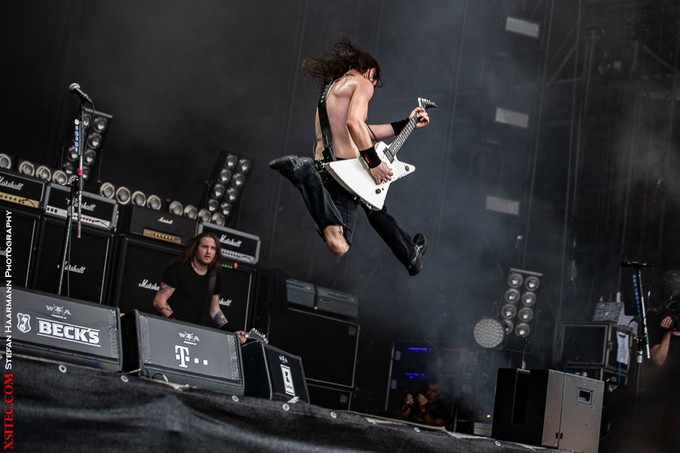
<point x="255" y="334"/>
<point x="426" y="103"/>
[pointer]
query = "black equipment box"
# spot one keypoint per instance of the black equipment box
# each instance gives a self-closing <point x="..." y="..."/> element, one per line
<point x="158" y="225"/>
<point x="272" y="373"/>
<point x="337" y="398"/>
<point x="336" y="302"/>
<point x="57" y="328"/>
<point x="182" y="353"/>
<point x="332" y="361"/>
<point x="594" y="344"/>
<point x="300" y="293"/>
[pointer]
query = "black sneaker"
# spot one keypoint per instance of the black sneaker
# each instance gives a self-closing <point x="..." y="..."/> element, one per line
<point x="287" y="165"/>
<point x="420" y="247"/>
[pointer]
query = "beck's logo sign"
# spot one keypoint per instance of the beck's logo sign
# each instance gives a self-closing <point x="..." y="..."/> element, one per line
<point x="61" y="331"/>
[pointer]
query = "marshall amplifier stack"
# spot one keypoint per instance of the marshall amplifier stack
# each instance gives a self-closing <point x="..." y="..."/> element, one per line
<point x="90" y="256"/>
<point x="236" y="245"/>
<point x="96" y="211"/>
<point x="159" y="348"/>
<point x="21" y="199"/>
<point x="157" y="225"/>
<point x="62" y="329"/>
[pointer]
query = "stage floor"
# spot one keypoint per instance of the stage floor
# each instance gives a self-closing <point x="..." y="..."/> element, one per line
<point x="57" y="406"/>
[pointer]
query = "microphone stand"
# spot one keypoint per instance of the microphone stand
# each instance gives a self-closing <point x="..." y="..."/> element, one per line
<point x="642" y="340"/>
<point x="74" y="201"/>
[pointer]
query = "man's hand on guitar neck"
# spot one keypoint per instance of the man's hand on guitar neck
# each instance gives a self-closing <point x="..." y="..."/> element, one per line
<point x="423" y="117"/>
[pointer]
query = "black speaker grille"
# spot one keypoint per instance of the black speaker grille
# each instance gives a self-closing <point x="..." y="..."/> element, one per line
<point x="327" y="346"/>
<point x="138" y="272"/>
<point x="89" y="264"/>
<point x="24" y="229"/>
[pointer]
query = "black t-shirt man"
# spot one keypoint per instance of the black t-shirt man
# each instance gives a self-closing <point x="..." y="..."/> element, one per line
<point x="190" y="299"/>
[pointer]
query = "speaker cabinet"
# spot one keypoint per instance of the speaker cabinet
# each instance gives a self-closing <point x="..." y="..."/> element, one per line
<point x="235" y="298"/>
<point x="183" y="353"/>
<point x="48" y="326"/>
<point x="86" y="276"/>
<point x="139" y="268"/>
<point x="330" y="397"/>
<point x="548" y="408"/>
<point x="23" y="228"/>
<point x="594" y="344"/>
<point x="272" y="373"/>
<point x="330" y="361"/>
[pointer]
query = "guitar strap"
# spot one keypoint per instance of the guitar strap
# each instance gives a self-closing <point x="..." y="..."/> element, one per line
<point x="328" y="153"/>
<point x="205" y="314"/>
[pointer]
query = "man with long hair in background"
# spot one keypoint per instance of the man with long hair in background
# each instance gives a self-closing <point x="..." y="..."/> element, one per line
<point x="191" y="283"/>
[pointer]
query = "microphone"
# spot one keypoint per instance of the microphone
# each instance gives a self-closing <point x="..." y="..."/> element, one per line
<point x="75" y="89"/>
<point x="636" y="264"/>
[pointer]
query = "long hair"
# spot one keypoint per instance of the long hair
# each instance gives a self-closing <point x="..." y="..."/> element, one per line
<point x="188" y="253"/>
<point x="338" y="59"/>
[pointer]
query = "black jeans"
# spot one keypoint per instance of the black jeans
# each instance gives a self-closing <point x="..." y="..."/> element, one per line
<point x="330" y="204"/>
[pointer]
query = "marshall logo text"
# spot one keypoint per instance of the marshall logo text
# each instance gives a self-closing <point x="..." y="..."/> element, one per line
<point x="146" y="284"/>
<point x="229" y="241"/>
<point x="11" y="184"/>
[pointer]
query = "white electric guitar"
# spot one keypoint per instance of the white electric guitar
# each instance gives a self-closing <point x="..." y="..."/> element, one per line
<point x="354" y="174"/>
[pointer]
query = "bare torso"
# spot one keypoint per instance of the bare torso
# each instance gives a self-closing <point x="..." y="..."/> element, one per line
<point x="342" y="97"/>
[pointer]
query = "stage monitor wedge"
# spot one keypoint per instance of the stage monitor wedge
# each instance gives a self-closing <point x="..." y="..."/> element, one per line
<point x="182" y="353"/>
<point x="47" y="326"/>
<point x="272" y="373"/>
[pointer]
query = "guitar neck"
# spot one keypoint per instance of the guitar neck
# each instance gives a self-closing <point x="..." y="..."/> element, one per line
<point x="395" y="146"/>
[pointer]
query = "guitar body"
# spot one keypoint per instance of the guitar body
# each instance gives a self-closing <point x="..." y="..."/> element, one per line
<point x="354" y="176"/>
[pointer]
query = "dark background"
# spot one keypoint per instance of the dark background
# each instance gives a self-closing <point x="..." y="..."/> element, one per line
<point x="593" y="172"/>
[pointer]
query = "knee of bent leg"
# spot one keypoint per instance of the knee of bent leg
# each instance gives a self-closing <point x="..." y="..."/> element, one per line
<point x="335" y="240"/>
<point x="338" y="247"/>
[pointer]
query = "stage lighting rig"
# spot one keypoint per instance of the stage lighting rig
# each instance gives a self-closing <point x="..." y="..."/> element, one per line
<point x="225" y="186"/>
<point x="95" y="126"/>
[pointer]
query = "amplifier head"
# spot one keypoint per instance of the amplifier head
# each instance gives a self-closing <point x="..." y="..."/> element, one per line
<point x="96" y="211"/>
<point x="21" y="190"/>
<point x="236" y="245"/>
<point x="158" y="225"/>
